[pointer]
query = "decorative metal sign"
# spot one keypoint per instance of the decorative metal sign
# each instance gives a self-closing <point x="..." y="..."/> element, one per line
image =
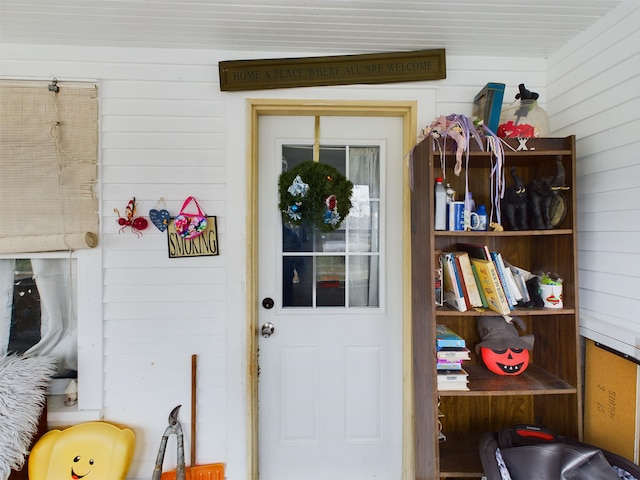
<point x="204" y="245"/>
<point x="236" y="75"/>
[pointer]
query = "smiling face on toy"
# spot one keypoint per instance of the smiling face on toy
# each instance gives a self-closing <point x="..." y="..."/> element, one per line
<point x="509" y="361"/>
<point x="81" y="467"/>
<point x="89" y="460"/>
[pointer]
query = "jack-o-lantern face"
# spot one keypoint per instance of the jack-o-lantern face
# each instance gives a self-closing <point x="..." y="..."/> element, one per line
<point x="510" y="361"/>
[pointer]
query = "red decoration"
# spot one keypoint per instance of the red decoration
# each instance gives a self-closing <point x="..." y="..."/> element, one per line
<point x="130" y="220"/>
<point x="511" y="130"/>
<point x="510" y="361"/>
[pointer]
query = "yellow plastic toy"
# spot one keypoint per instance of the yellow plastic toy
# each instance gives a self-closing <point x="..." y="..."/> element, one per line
<point x="89" y="451"/>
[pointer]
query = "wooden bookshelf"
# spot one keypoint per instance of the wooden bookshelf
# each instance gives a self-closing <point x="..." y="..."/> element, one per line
<point x="549" y="392"/>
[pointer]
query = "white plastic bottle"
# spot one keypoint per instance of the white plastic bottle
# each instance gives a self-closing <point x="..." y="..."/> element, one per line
<point x="470" y="204"/>
<point x="440" y="205"/>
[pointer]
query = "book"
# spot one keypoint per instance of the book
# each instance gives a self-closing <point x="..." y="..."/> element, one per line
<point x="474" y="250"/>
<point x="438" y="280"/>
<point x="453" y="353"/>
<point x="462" y="284"/>
<point x="499" y="264"/>
<point x="521" y="276"/>
<point x="454" y="386"/>
<point x="473" y="293"/>
<point x="445" y="337"/>
<point x="448" y="364"/>
<point x="453" y="380"/>
<point x="513" y="287"/>
<point x="451" y="287"/>
<point x="490" y="283"/>
<point x="482" y="296"/>
<point x="514" y="290"/>
<point x="448" y="376"/>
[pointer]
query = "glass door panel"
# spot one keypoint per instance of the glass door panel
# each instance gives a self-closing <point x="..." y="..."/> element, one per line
<point x="338" y="268"/>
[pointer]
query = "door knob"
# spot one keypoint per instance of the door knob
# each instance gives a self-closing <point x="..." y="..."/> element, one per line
<point x="267" y="329"/>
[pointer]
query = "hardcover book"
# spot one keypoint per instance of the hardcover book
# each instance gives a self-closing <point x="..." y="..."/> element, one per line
<point x="448" y="376"/>
<point x="445" y="337"/>
<point x="451" y="287"/>
<point x="499" y="264"/>
<point x="482" y="296"/>
<point x="490" y="283"/>
<point x="453" y="353"/>
<point x="454" y="386"/>
<point x="475" y="250"/>
<point x="463" y="261"/>
<point x="449" y="365"/>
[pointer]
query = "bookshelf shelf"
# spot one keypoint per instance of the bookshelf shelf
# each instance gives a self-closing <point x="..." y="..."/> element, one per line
<point x="521" y="312"/>
<point x="519" y="233"/>
<point x="549" y="392"/>
<point x="533" y="381"/>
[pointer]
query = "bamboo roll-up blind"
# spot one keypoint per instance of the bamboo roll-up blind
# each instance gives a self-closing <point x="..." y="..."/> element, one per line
<point x="48" y="166"/>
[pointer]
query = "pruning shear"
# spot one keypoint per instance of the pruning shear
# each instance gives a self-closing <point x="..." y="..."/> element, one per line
<point x="174" y="428"/>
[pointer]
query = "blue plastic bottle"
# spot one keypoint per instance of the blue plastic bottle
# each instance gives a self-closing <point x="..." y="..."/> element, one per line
<point x="482" y="218"/>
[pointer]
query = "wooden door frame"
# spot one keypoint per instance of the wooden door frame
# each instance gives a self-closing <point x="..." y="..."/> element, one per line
<point x="262" y="107"/>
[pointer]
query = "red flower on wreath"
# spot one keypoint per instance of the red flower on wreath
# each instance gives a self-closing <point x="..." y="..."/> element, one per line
<point x="331" y="202"/>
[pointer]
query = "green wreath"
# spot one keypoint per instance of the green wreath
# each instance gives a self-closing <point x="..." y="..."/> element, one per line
<point x="315" y="194"/>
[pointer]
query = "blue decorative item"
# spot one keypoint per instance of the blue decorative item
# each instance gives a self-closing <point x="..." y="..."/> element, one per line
<point x="160" y="216"/>
<point x="298" y="188"/>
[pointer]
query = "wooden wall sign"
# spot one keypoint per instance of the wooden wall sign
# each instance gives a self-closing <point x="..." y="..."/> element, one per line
<point x="236" y="75"/>
<point x="204" y="245"/>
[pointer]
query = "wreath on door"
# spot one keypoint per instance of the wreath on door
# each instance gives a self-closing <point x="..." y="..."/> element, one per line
<point x="315" y="194"/>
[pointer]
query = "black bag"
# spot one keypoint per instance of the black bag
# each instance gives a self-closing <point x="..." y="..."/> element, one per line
<point x="527" y="452"/>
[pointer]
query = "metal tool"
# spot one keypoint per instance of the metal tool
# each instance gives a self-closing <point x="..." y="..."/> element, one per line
<point x="174" y="428"/>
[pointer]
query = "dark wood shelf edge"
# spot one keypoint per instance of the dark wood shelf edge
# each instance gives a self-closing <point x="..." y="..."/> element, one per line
<point x="504" y="233"/>
<point x="522" y="312"/>
<point x="533" y="381"/>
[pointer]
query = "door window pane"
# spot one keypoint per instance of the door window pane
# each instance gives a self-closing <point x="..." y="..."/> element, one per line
<point x="342" y="267"/>
<point x="330" y="278"/>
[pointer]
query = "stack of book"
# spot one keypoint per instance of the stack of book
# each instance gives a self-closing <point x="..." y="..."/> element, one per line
<point x="451" y="351"/>
<point x="474" y="277"/>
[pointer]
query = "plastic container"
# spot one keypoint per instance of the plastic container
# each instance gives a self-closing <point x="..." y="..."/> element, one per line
<point x="470" y="203"/>
<point x="451" y="194"/>
<point x="524" y="119"/>
<point x="482" y="218"/>
<point x="440" y="205"/>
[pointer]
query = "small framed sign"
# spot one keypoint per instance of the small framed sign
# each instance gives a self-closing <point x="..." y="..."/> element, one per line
<point x="204" y="245"/>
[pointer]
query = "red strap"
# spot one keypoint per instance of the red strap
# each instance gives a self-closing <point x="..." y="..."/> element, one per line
<point x="535" y="434"/>
<point x="189" y="200"/>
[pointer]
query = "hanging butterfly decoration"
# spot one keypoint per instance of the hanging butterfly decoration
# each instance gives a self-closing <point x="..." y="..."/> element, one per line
<point x="137" y="224"/>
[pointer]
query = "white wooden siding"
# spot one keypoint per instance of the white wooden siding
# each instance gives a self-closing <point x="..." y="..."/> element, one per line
<point x="594" y="93"/>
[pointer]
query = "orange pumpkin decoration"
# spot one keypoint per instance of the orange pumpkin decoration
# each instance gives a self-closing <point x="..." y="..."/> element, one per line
<point x="510" y="361"/>
<point x="502" y="350"/>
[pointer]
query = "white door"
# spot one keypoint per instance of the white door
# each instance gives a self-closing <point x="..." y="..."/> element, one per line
<point x="330" y="374"/>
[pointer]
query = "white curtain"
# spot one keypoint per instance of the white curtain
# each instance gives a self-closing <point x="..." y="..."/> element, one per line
<point x="55" y="280"/>
<point x="364" y="169"/>
<point x="6" y="302"/>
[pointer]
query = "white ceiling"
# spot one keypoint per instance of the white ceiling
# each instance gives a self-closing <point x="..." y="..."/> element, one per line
<point x="526" y="28"/>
